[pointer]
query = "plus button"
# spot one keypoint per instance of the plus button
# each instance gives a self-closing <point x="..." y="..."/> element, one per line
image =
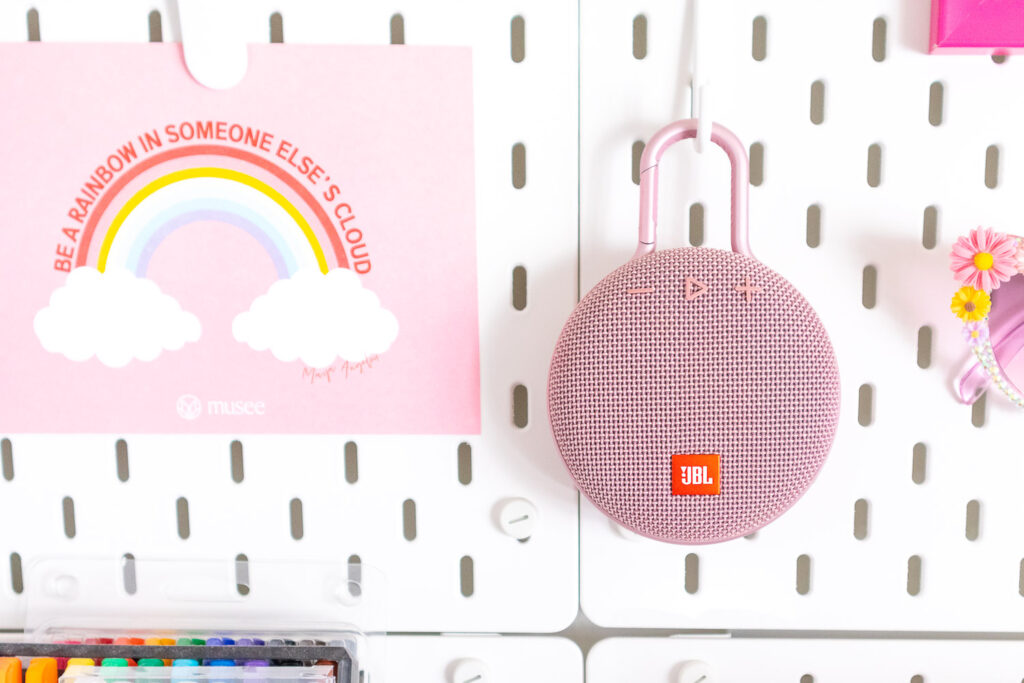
<point x="748" y="290"/>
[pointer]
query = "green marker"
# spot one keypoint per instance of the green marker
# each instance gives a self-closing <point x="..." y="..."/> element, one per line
<point x="115" y="661"/>
<point x="191" y="641"/>
<point x="150" y="661"/>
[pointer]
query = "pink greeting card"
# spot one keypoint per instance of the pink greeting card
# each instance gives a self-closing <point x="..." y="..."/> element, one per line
<point x="293" y="255"/>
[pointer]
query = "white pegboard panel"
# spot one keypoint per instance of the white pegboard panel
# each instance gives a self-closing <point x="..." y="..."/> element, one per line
<point x="738" y="660"/>
<point x="450" y="659"/>
<point x="507" y="585"/>
<point x="873" y="96"/>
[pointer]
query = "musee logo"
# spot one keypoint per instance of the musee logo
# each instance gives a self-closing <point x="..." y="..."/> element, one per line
<point x="189" y="407"/>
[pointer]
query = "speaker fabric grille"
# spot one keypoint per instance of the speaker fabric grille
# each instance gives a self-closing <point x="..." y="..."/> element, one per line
<point x="640" y="373"/>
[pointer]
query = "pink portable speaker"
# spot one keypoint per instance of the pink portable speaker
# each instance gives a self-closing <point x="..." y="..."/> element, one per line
<point x="693" y="393"/>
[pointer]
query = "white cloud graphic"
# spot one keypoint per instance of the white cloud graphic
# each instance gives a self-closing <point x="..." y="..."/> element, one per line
<point x="317" y="318"/>
<point x="114" y="316"/>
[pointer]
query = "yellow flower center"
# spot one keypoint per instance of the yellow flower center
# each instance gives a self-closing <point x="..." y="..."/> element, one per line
<point x="974" y="334"/>
<point x="983" y="260"/>
<point x="969" y="306"/>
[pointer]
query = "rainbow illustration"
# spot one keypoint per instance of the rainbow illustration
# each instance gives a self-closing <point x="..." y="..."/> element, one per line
<point x="222" y="189"/>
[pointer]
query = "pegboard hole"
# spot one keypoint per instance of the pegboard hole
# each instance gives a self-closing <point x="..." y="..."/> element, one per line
<point x="637" y="153"/>
<point x="519" y="288"/>
<point x="33" y="25"/>
<point x="520" y="406"/>
<point x="466" y="578"/>
<point x="7" y="459"/>
<point x="757" y="164"/>
<point x="276" y="28"/>
<point x="691" y="573"/>
<point x="818" y="102"/>
<point x="351" y="462"/>
<point x="752" y="536"/>
<point x="397" y="29"/>
<point x="918" y="678"/>
<point x="295" y="514"/>
<point x="936" y="95"/>
<point x="866" y="405"/>
<point x="914" y="575"/>
<point x="1000" y="58"/>
<point x="924" y="347"/>
<point x="978" y="411"/>
<point x="879" y="29"/>
<point x="184" y="524"/>
<point x="696" y="224"/>
<point x="517" y="39"/>
<point x="930" y="231"/>
<point x="18" y="581"/>
<point x="973" y="526"/>
<point x="869" y="287"/>
<point x="803" y="574"/>
<point x="409" y="519"/>
<point x="814" y="226"/>
<point x="355" y="576"/>
<point x="242" y="574"/>
<point x="874" y="165"/>
<point x="860" y="519"/>
<point x="759" y="39"/>
<point x="919" y="466"/>
<point x="121" y="459"/>
<point x="807" y="678"/>
<point x="465" y="463"/>
<point x="237" y="462"/>
<point x="156" y="27"/>
<point x="639" y="36"/>
<point x="68" y="507"/>
<point x="519" y="165"/>
<point x="992" y="167"/>
<point x="128" y="579"/>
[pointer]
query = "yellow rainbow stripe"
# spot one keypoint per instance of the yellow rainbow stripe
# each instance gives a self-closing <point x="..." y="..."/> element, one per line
<point x="209" y="172"/>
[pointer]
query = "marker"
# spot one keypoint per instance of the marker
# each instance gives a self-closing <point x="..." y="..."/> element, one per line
<point x="221" y="662"/>
<point x="251" y="662"/>
<point x="10" y="670"/>
<point x="62" y="662"/>
<point x="191" y="641"/>
<point x="151" y="661"/>
<point x="216" y="642"/>
<point x="99" y="641"/>
<point x="42" y="670"/>
<point x="117" y="662"/>
<point x="278" y="642"/>
<point x="185" y="662"/>
<point x="161" y="641"/>
<point x="81" y="661"/>
<point x="129" y="641"/>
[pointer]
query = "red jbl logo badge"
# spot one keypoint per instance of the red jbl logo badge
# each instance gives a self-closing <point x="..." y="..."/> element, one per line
<point x="696" y="475"/>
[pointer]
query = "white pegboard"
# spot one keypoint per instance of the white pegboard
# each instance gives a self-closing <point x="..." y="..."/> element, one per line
<point x="736" y="660"/>
<point x="853" y="583"/>
<point x="516" y="586"/>
<point x="427" y="659"/>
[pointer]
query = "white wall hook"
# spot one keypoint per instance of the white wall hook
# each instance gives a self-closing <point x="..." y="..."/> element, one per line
<point x="517" y="517"/>
<point x="215" y="51"/>
<point x="695" y="672"/>
<point x="470" y="671"/>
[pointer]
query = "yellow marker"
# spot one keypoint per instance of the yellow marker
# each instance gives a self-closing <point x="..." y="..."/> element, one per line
<point x="42" y="670"/>
<point x="161" y="641"/>
<point x="81" y="661"/>
<point x="10" y="670"/>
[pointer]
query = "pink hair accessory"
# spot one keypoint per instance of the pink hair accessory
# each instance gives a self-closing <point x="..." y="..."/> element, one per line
<point x="984" y="259"/>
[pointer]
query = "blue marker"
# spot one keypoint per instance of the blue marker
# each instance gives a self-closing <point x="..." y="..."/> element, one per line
<point x="216" y="642"/>
<point x="251" y="662"/>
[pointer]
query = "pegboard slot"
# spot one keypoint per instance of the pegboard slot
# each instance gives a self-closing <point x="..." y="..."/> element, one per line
<point x="803" y="574"/>
<point x="351" y="462"/>
<point x="7" y="459"/>
<point x="807" y="678"/>
<point x="242" y="583"/>
<point x="520" y="406"/>
<point x="409" y="519"/>
<point x="68" y="509"/>
<point x="865" y="405"/>
<point x="637" y="152"/>
<point x="355" y="576"/>
<point x="128" y="579"/>
<point x="930" y="230"/>
<point x="992" y="167"/>
<point x="32" y="19"/>
<point x="465" y="463"/>
<point x="924" y="347"/>
<point x="879" y="31"/>
<point x="18" y="581"/>
<point x="936" y="95"/>
<point x="184" y="524"/>
<point x="919" y="465"/>
<point x="156" y="27"/>
<point x="973" y="522"/>
<point x="978" y="411"/>
<point x="860" y="519"/>
<point x="757" y="164"/>
<point x="295" y="517"/>
<point x="914" y="575"/>
<point x="639" y="36"/>
<point x="818" y="102"/>
<point x="519" y="165"/>
<point x="691" y="573"/>
<point x="397" y="27"/>
<point x="696" y="224"/>
<point x="466" y="578"/>
<point x="237" y="462"/>
<point x="121" y="459"/>
<point x="759" y="39"/>
<point x="519" y="288"/>
<point x="276" y="28"/>
<point x="517" y="39"/>
<point x="874" y="165"/>
<point x="869" y="287"/>
<point x="814" y="226"/>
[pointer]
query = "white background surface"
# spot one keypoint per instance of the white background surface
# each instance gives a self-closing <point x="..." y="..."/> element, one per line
<point x="578" y="557"/>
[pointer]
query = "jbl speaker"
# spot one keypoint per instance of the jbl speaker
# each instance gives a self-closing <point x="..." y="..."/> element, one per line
<point x="693" y="393"/>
